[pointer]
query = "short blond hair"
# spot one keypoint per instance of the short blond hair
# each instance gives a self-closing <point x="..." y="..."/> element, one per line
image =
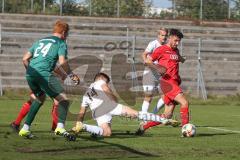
<point x="60" y="27"/>
<point x="163" y="29"/>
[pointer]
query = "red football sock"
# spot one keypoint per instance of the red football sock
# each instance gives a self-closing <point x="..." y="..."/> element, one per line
<point x="152" y="123"/>
<point x="23" y="112"/>
<point x="184" y="115"/>
<point x="54" y="116"/>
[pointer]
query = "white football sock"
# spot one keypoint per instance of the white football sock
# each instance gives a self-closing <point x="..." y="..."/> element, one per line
<point x="159" y="105"/>
<point x="145" y="106"/>
<point x="93" y="129"/>
<point x="26" y="127"/>
<point x="60" y="125"/>
<point x="151" y="117"/>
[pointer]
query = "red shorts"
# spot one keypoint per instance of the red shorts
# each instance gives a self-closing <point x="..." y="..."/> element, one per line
<point x="170" y="89"/>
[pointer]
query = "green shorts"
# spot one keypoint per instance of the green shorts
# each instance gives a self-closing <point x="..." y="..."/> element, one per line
<point x="48" y="85"/>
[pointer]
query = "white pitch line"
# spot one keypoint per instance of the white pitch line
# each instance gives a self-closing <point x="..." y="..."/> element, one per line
<point x="225" y="130"/>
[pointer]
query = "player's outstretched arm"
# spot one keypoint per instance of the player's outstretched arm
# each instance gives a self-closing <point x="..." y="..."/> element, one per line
<point x="66" y="71"/>
<point x="79" y="125"/>
<point x="81" y="114"/>
<point x="144" y="56"/>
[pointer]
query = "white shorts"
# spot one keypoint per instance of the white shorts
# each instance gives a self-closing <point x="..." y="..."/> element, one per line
<point x="150" y="81"/>
<point x="107" y="118"/>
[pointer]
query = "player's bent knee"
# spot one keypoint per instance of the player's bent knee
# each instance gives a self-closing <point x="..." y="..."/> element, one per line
<point x="64" y="103"/>
<point x="61" y="97"/>
<point x="185" y="103"/>
<point x="148" y="98"/>
<point x="107" y="133"/>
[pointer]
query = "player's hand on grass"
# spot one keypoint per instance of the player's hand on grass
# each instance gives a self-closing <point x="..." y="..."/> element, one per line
<point x="78" y="127"/>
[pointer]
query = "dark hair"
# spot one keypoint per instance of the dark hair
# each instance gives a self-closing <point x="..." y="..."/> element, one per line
<point x="175" y="32"/>
<point x="101" y="74"/>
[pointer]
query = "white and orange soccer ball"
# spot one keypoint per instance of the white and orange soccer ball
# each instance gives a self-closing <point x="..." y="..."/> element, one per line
<point x="188" y="130"/>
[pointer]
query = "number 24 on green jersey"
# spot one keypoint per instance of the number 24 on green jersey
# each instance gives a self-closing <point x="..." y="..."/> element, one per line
<point x="42" y="48"/>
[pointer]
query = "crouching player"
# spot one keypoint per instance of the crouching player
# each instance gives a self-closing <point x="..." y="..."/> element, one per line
<point x="103" y="104"/>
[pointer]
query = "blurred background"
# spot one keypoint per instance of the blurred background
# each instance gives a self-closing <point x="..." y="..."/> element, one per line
<point x="166" y="9"/>
<point x="115" y="33"/>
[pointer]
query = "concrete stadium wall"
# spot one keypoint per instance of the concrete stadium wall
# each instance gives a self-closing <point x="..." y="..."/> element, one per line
<point x="90" y="36"/>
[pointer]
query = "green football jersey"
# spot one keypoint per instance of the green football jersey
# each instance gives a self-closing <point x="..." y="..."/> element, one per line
<point x="45" y="53"/>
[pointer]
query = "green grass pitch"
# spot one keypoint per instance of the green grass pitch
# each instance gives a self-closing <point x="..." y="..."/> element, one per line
<point x="218" y="136"/>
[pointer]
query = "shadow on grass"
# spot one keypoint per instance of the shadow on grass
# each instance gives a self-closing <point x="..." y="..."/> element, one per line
<point x="122" y="147"/>
<point x="103" y="147"/>
<point x="127" y="134"/>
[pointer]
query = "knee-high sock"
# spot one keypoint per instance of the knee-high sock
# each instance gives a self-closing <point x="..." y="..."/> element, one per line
<point x="62" y="111"/>
<point x="145" y="106"/>
<point x="184" y="112"/>
<point x="23" y="112"/>
<point x="33" y="111"/>
<point x="152" y="123"/>
<point x="93" y="129"/>
<point x="54" y="116"/>
<point x="151" y="117"/>
<point x="159" y="105"/>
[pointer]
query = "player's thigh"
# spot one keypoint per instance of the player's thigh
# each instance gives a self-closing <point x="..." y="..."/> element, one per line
<point x="149" y="82"/>
<point x="107" y="131"/>
<point x="170" y="89"/>
<point x="118" y="110"/>
<point x="128" y="111"/>
<point x="33" y="83"/>
<point x="51" y="86"/>
<point x="106" y="118"/>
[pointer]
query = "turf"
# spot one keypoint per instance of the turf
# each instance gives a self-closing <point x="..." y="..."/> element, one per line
<point x="218" y="136"/>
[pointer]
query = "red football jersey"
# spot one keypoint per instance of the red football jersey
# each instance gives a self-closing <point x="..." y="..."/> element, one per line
<point x="168" y="58"/>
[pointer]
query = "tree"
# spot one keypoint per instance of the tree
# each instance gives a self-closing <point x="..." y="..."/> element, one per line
<point x="216" y="10"/>
<point x="236" y="9"/>
<point x="132" y="7"/>
<point x="212" y="9"/>
<point x="24" y="6"/>
<point x="110" y="7"/>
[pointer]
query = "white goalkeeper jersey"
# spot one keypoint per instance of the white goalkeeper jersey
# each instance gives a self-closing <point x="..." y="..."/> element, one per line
<point x="94" y="95"/>
<point x="152" y="46"/>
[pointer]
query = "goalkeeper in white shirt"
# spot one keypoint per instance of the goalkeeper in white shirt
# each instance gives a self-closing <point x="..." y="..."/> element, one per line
<point x="151" y="78"/>
<point x="103" y="104"/>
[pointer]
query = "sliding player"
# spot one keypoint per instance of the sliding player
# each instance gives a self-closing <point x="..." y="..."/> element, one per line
<point x="103" y="103"/>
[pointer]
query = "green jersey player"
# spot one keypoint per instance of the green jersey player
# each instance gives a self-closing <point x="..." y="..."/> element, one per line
<point x="40" y="62"/>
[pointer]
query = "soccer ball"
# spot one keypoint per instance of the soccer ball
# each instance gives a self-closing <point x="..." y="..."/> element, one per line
<point x="188" y="130"/>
